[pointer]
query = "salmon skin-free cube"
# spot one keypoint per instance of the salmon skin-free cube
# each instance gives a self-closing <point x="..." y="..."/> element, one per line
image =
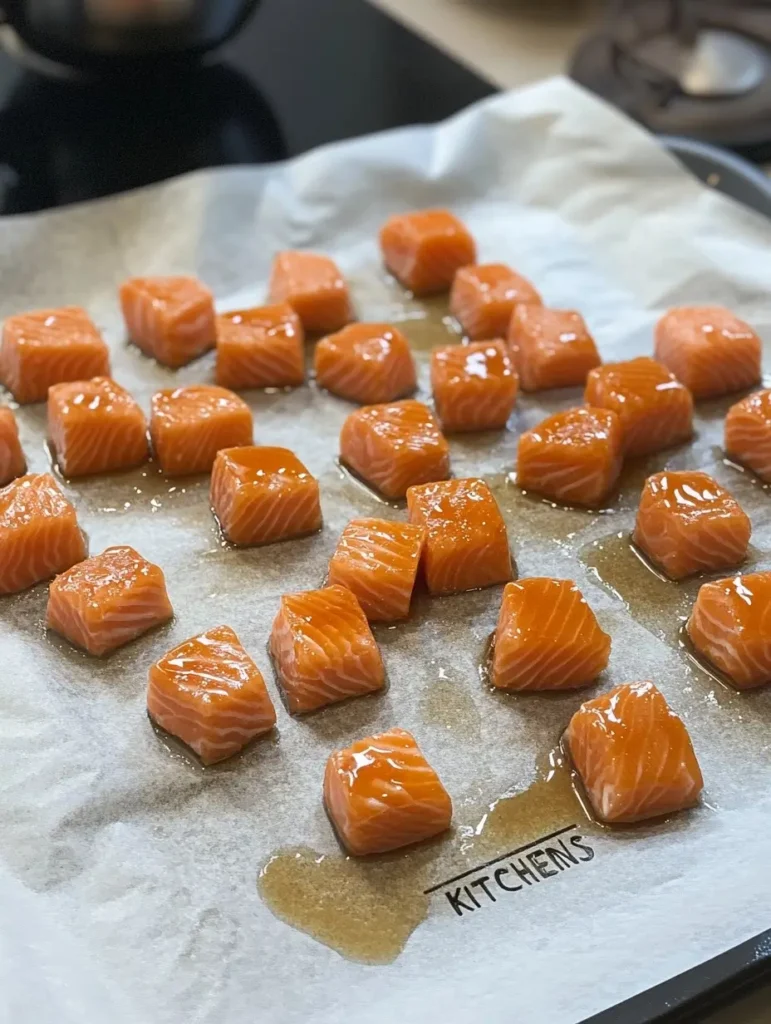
<point x="260" y="348"/>
<point x="170" y="319"/>
<point x="474" y="386"/>
<point x="323" y="649"/>
<point x="709" y="349"/>
<point x="261" y="495"/>
<point x="748" y="433"/>
<point x="551" y="348"/>
<point x="48" y="347"/>
<point x="423" y="250"/>
<point x="367" y="363"/>
<point x="315" y="289"/>
<point x="189" y="425"/>
<point x="95" y="426"/>
<point x="382" y="794"/>
<point x="209" y="693"/>
<point x="12" y="461"/>
<point x="108" y="600"/>
<point x="466" y="546"/>
<point x="484" y="296"/>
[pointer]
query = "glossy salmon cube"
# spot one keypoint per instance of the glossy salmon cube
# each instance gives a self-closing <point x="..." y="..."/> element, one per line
<point x="260" y="348"/>
<point x="377" y="560"/>
<point x="655" y="408"/>
<point x="730" y="626"/>
<point x="394" y="446"/>
<point x="423" y="250"/>
<point x="633" y="754"/>
<point x="551" y="348"/>
<point x="474" y="386"/>
<point x="209" y="693"/>
<point x="261" y="495"/>
<point x="189" y="425"/>
<point x="39" y="533"/>
<point x="12" y="461"/>
<point x="688" y="523"/>
<point x="484" y="296"/>
<point x="709" y="349"/>
<point x="315" y="289"/>
<point x="573" y="457"/>
<point x="108" y="600"/>
<point x="367" y="363"/>
<point x="382" y="794"/>
<point x="323" y="649"/>
<point x="95" y="426"/>
<point x="748" y="433"/>
<point x="547" y="638"/>
<point x="170" y="319"/>
<point x="48" y="347"/>
<point x="466" y="546"/>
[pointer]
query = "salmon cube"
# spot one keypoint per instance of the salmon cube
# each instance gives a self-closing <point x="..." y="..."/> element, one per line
<point x="474" y="386"/>
<point x="189" y="425"/>
<point x="655" y="409"/>
<point x="48" y="347"/>
<point x="260" y="348"/>
<point x="688" y="523"/>
<point x="377" y="560"/>
<point x="170" y="319"/>
<point x="262" y="495"/>
<point x="208" y="693"/>
<point x="633" y="755"/>
<point x="466" y="546"/>
<point x="108" y="600"/>
<point x="12" y="461"/>
<point x="551" y="348"/>
<point x="483" y="298"/>
<point x="547" y="638"/>
<point x="709" y="349"/>
<point x="395" y="446"/>
<point x="39" y="533"/>
<point x="315" y="289"/>
<point x="573" y="457"/>
<point x="381" y="794"/>
<point x="95" y="427"/>
<point x="367" y="363"/>
<point x="323" y="649"/>
<point x="730" y="626"/>
<point x="748" y="433"/>
<point x="423" y="250"/>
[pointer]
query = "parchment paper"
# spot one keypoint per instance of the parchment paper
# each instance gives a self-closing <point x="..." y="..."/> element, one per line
<point x="128" y="875"/>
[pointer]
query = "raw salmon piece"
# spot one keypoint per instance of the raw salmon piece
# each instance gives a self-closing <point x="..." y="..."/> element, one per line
<point x="483" y="298"/>
<point x="395" y="446"/>
<point x="474" y="386"/>
<point x="709" y="349"/>
<point x="655" y="409"/>
<point x="108" y="600"/>
<point x="423" y="250"/>
<point x="260" y="348"/>
<point x="39" y="533"/>
<point x="633" y="754"/>
<point x="378" y="561"/>
<point x="48" y="347"/>
<point x="262" y="495"/>
<point x="748" y="433"/>
<point x="366" y="363"/>
<point x="551" y="348"/>
<point x="382" y="794"/>
<point x="314" y="288"/>
<point x="466" y="544"/>
<point x="95" y="426"/>
<point x="12" y="461"/>
<point x="573" y="456"/>
<point x="323" y="649"/>
<point x="688" y="523"/>
<point x="209" y="693"/>
<point x="730" y="625"/>
<point x="169" y="318"/>
<point x="547" y="638"/>
<point x="188" y="426"/>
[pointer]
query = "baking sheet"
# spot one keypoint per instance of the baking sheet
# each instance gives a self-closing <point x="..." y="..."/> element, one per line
<point x="128" y="875"/>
